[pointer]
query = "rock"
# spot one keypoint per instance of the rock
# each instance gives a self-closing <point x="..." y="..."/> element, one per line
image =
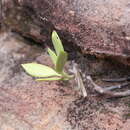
<point x="29" y="105"/>
<point x="98" y="27"/>
<point x="126" y="125"/>
<point x="25" y="103"/>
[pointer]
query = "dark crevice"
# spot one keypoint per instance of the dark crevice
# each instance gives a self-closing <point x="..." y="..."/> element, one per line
<point x="30" y="41"/>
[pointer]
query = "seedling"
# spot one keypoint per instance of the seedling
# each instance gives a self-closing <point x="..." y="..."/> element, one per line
<point x="59" y="59"/>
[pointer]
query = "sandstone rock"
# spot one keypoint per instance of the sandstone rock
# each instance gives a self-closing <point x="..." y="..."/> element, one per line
<point x="30" y="105"/>
<point x="98" y="27"/>
<point x="24" y="103"/>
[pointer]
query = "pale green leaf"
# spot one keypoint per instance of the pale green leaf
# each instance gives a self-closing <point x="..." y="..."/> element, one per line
<point x="52" y="55"/>
<point x="38" y="70"/>
<point x="49" y="79"/>
<point x="61" y="60"/>
<point x="57" y="43"/>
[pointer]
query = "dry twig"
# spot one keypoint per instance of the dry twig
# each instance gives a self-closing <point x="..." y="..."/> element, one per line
<point x="117" y="80"/>
<point x="107" y="91"/>
<point x="79" y="80"/>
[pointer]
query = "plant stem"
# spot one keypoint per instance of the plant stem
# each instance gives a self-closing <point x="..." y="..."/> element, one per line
<point x="66" y="76"/>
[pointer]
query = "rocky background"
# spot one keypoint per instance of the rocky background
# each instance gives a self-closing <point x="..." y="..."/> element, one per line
<point x="98" y="27"/>
<point x="94" y="33"/>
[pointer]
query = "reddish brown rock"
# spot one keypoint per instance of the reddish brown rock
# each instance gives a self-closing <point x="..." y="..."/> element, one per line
<point x="29" y="105"/>
<point x="25" y="103"/>
<point x="99" y="27"/>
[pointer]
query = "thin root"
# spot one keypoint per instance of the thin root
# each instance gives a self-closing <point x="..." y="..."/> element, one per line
<point x="107" y="91"/>
<point x="117" y="80"/>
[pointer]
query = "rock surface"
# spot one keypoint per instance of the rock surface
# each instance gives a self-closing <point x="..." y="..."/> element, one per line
<point x="24" y="103"/>
<point x="29" y="105"/>
<point x="100" y="27"/>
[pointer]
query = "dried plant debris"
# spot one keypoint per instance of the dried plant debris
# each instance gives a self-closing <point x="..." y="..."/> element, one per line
<point x="79" y="80"/>
<point x="108" y="90"/>
<point x="117" y="80"/>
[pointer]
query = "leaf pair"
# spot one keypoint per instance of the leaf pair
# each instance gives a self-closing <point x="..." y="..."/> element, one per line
<point x="59" y="58"/>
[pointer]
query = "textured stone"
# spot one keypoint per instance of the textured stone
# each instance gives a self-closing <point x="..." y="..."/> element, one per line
<point x="98" y="27"/>
<point x="24" y="103"/>
<point x="29" y="105"/>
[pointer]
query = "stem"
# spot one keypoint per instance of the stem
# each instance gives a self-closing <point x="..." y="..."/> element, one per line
<point x="66" y="76"/>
